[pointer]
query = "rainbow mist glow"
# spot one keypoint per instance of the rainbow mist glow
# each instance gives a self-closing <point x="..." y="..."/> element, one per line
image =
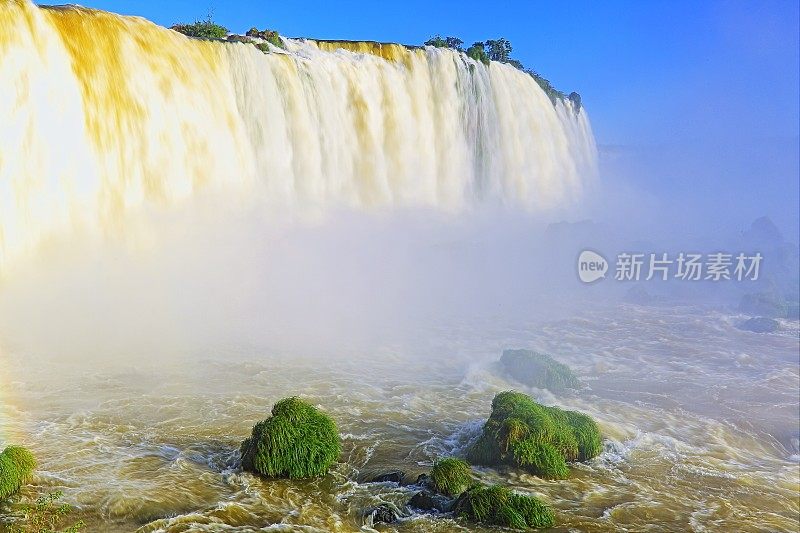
<point x="103" y="114"/>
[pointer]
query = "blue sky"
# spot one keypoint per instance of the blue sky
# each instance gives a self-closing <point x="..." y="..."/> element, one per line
<point x="649" y="71"/>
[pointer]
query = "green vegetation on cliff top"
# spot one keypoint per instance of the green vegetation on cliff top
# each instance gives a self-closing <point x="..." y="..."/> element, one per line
<point x="202" y="29"/>
<point x="500" y="50"/>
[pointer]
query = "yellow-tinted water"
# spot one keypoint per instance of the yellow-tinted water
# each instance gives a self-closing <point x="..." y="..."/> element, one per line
<point x="699" y="420"/>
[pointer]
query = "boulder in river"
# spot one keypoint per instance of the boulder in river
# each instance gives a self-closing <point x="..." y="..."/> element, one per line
<point x="385" y="513"/>
<point x="537" y="370"/>
<point x="451" y="476"/>
<point x="297" y="441"/>
<point x="428" y="500"/>
<point x="16" y="467"/>
<point x="759" y="324"/>
<point x="534" y="437"/>
<point x="500" y="506"/>
<point x="395" y="476"/>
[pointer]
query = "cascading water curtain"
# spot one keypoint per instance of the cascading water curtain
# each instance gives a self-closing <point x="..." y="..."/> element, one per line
<point x="102" y="114"/>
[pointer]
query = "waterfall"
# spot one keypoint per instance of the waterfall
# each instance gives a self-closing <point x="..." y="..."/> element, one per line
<point x="103" y="114"/>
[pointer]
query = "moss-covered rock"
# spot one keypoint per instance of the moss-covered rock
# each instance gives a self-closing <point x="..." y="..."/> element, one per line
<point x="451" y="476"/>
<point x="297" y="441"/>
<point x="500" y="506"/>
<point x="537" y="438"/>
<point x="537" y="370"/>
<point x="234" y="38"/>
<point x="270" y="36"/>
<point x="16" y="467"/>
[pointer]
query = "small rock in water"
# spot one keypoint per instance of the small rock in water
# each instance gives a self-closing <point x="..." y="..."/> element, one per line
<point x="395" y="476"/>
<point x="384" y="514"/>
<point x="759" y="325"/>
<point x="426" y="500"/>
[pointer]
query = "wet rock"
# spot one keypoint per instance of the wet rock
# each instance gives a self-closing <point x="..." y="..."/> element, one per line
<point x="537" y="370"/>
<point x="384" y="514"/>
<point x="423" y="480"/>
<point x="427" y="500"/>
<point x="395" y="476"/>
<point x="539" y="439"/>
<point x="759" y="325"/>
<point x="233" y="38"/>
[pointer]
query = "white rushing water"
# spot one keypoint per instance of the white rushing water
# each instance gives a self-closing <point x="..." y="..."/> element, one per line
<point x="103" y="115"/>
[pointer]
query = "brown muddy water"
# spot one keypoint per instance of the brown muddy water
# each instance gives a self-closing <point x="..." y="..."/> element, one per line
<point x="700" y="422"/>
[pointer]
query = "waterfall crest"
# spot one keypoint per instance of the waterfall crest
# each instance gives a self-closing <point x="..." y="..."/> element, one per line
<point x="102" y="114"/>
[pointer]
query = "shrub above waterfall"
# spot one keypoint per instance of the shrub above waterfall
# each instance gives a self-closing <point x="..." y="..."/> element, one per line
<point x="500" y="50"/>
<point x="500" y="506"/>
<point x="537" y="370"/>
<point x="537" y="438"/>
<point x="16" y="467"/>
<point x="478" y="52"/>
<point x="202" y="29"/>
<point x="447" y="42"/>
<point x="297" y="441"/>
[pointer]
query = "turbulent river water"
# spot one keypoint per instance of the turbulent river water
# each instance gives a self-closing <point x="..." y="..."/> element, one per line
<point x="700" y="425"/>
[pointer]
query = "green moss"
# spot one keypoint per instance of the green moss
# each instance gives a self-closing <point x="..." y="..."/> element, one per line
<point x="451" y="476"/>
<point x="297" y="441"/>
<point x="500" y="506"/>
<point x="537" y="438"/>
<point x="538" y="370"/>
<point x="16" y="467"/>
